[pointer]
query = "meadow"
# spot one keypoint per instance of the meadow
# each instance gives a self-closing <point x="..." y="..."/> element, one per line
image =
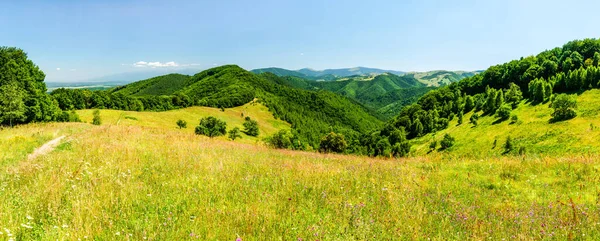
<point x="145" y="179"/>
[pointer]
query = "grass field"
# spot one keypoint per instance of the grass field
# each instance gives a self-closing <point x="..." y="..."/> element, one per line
<point x="148" y="180"/>
<point x="532" y="131"/>
<point x="167" y="120"/>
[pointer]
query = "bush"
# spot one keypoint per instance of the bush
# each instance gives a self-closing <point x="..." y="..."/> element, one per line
<point x="474" y="118"/>
<point x="97" y="120"/>
<point x="235" y="133"/>
<point x="181" y="124"/>
<point x="514" y="119"/>
<point x="504" y="111"/>
<point x="282" y="140"/>
<point x="251" y="127"/>
<point x="508" y="145"/>
<point x="433" y="145"/>
<point x="563" y="106"/>
<point x="447" y="142"/>
<point x="401" y="149"/>
<point x="211" y="127"/>
<point x="333" y="142"/>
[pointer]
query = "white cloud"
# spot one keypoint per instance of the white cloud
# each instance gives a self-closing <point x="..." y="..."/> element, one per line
<point x="143" y="64"/>
<point x="301" y="54"/>
<point x="73" y="70"/>
<point x="57" y="69"/>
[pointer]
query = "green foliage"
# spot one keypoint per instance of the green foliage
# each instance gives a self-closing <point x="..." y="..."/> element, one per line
<point x="333" y="142"/>
<point x="12" y="107"/>
<point x="97" y="120"/>
<point x="508" y="145"/>
<point x="504" y="112"/>
<point x="285" y="139"/>
<point x="383" y="148"/>
<point x="23" y="97"/>
<point x="251" y="127"/>
<point x="433" y="145"/>
<point x="514" y="95"/>
<point x="401" y="149"/>
<point x="234" y="133"/>
<point x="181" y="124"/>
<point x="447" y="142"/>
<point x="161" y="85"/>
<point x="564" y="107"/>
<point x="211" y="127"/>
<point x="460" y="118"/>
<point x="474" y="118"/>
<point x="514" y="119"/>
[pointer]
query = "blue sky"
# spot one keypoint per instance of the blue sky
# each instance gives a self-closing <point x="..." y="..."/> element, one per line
<point x="79" y="40"/>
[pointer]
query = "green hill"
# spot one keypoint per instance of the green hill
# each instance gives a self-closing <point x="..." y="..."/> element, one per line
<point x="546" y="103"/>
<point x="311" y="113"/>
<point x="280" y="72"/>
<point x="161" y="85"/>
<point x="384" y="93"/>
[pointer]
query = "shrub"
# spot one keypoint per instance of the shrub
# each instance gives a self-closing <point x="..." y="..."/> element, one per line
<point x="234" y="133"/>
<point x="508" y="145"/>
<point x="563" y="106"/>
<point x="514" y="119"/>
<point x="282" y="140"/>
<point x="181" y="124"/>
<point x="333" y="142"/>
<point x="97" y="120"/>
<point x="251" y="127"/>
<point x="447" y="142"/>
<point x="211" y="127"/>
<point x="433" y="145"/>
<point x="504" y="111"/>
<point x="474" y="118"/>
<point x="401" y="149"/>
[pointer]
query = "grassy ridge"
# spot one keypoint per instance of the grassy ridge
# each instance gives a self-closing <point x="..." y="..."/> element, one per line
<point x="533" y="131"/>
<point x="129" y="182"/>
<point x="234" y="117"/>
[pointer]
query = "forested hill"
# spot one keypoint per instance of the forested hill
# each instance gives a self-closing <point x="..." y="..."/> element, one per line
<point x="161" y="85"/>
<point x="385" y="93"/>
<point x="549" y="77"/>
<point x="312" y="114"/>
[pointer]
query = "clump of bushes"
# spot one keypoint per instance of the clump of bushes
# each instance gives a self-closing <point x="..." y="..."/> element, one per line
<point x="211" y="127"/>
<point x="333" y="142"/>
<point x="97" y="120"/>
<point x="251" y="127"/>
<point x="447" y="142"/>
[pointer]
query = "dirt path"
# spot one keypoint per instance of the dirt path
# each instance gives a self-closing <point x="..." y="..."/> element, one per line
<point x="46" y="148"/>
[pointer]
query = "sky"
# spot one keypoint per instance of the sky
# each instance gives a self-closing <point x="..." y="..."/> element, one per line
<point x="80" y="40"/>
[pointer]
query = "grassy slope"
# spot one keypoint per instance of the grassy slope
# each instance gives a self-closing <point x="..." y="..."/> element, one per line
<point x="128" y="182"/>
<point x="533" y="131"/>
<point x="166" y="120"/>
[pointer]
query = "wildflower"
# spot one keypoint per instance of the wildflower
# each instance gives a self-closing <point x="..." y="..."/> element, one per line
<point x="29" y="217"/>
<point x="238" y="239"/>
<point x="118" y="233"/>
<point x="26" y="226"/>
<point x="65" y="226"/>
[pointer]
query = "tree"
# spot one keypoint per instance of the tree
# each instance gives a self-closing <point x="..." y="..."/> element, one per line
<point x="474" y="118"/>
<point x="97" y="120"/>
<point x="401" y="149"/>
<point x="513" y="95"/>
<point x="181" y="124"/>
<point x="564" y="107"/>
<point x="504" y="112"/>
<point x="281" y="140"/>
<point x="469" y="104"/>
<point x="234" y="133"/>
<point x="12" y="107"/>
<point x="333" y="142"/>
<point x="596" y="60"/>
<point x="508" y="145"/>
<point x="383" y="148"/>
<point x="460" y="118"/>
<point x="447" y="142"/>
<point x="251" y="127"/>
<point x="433" y="145"/>
<point x="417" y="129"/>
<point x="211" y="127"/>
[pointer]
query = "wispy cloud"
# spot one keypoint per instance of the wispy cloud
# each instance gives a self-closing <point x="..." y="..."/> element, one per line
<point x="147" y="64"/>
<point x="57" y="69"/>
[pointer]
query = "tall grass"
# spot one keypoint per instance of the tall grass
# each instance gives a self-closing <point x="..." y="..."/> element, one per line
<point x="134" y="183"/>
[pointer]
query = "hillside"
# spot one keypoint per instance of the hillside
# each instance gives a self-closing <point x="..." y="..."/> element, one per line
<point x="311" y="113"/>
<point x="441" y="77"/>
<point x="532" y="131"/>
<point x="161" y="85"/>
<point x="559" y="87"/>
<point x="385" y="93"/>
<point x="112" y="182"/>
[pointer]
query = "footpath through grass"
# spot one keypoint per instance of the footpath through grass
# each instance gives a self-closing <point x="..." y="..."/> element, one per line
<point x="128" y="182"/>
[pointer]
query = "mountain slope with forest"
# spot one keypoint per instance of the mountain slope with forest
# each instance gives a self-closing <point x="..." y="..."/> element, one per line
<point x="556" y="86"/>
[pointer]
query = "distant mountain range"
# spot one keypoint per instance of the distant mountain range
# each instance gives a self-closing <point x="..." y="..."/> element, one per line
<point x="429" y="78"/>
